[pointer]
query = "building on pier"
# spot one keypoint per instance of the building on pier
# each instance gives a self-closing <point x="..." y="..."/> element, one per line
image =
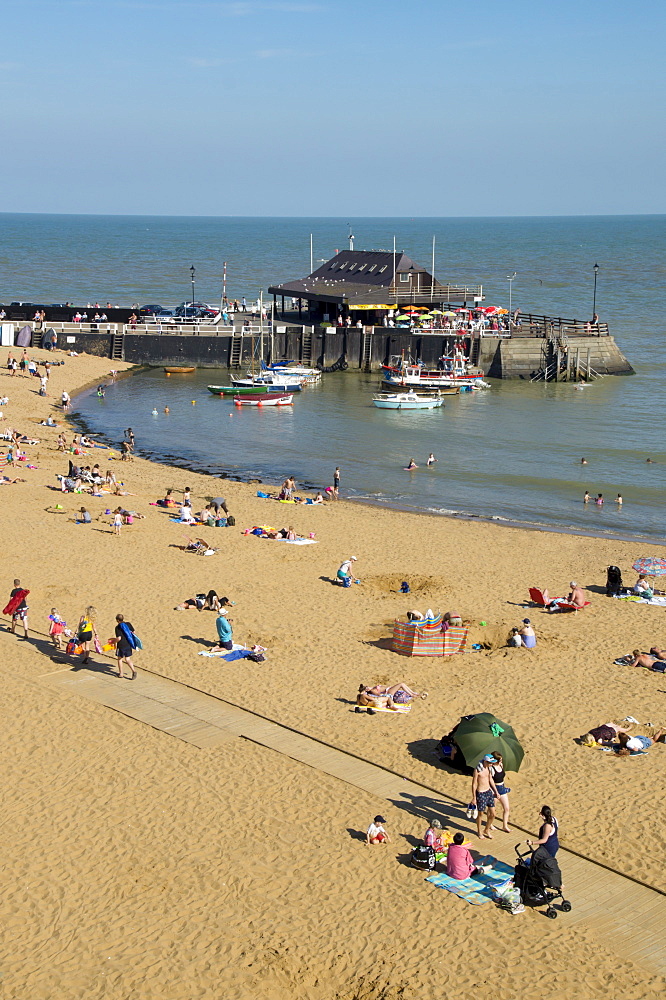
<point x="368" y="285"/>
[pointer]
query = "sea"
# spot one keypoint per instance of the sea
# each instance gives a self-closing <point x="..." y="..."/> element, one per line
<point x="511" y="453"/>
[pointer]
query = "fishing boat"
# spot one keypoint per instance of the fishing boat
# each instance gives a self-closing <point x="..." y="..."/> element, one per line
<point x="407" y="401"/>
<point x="179" y="371"/>
<point x="268" y="399"/>
<point x="235" y="390"/>
<point x="456" y="371"/>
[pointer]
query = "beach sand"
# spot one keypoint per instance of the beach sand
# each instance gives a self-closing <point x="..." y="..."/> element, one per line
<point x="136" y="865"/>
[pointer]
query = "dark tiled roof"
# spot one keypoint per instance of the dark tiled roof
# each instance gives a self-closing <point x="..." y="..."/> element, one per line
<point x="362" y="275"/>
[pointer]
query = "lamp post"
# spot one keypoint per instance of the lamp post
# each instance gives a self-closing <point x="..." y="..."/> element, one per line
<point x="510" y="278"/>
<point x="192" y="273"/>
<point x="594" y="297"/>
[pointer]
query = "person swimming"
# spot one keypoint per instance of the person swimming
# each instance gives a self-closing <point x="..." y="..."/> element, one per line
<point x="412" y="465"/>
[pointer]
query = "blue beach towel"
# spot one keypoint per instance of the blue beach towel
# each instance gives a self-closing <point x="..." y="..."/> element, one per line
<point x="479" y="888"/>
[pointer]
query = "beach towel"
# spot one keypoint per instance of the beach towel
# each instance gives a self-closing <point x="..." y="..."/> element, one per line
<point x="223" y="652"/>
<point x="480" y="888"/>
<point x="397" y="710"/>
<point x="18" y="597"/>
<point x="658" y="601"/>
<point x="298" y="541"/>
<point x="455" y="639"/>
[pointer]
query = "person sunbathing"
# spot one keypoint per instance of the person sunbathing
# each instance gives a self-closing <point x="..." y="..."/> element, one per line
<point x="654" y="660"/>
<point x="640" y="743"/>
<point x="379" y="695"/>
<point x="602" y="735"/>
<point x="575" y="597"/>
<point x="7" y="481"/>
<point x="643" y="589"/>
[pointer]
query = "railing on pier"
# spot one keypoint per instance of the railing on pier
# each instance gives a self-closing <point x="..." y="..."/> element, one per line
<point x="531" y="325"/>
<point x="438" y="293"/>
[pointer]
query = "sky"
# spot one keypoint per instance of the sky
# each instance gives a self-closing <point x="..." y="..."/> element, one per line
<point x="333" y="107"/>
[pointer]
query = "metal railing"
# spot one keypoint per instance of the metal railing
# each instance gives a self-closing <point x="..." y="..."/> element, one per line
<point x="439" y="293"/>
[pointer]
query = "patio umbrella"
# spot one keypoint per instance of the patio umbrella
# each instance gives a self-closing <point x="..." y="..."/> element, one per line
<point x="650" y="566"/>
<point x="437" y="312"/>
<point x="483" y="733"/>
<point x="448" y="313"/>
<point x="402" y="316"/>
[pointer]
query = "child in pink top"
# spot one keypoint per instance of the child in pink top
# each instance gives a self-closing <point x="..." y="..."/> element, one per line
<point x="459" y="862"/>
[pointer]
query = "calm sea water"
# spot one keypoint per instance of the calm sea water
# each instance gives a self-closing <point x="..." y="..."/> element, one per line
<point x="512" y="452"/>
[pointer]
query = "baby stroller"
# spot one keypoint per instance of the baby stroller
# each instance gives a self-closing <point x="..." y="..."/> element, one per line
<point x="534" y="877"/>
<point x="613" y="582"/>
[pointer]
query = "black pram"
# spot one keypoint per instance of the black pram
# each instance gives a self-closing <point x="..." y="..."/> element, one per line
<point x="614" y="585"/>
<point x="535" y="876"/>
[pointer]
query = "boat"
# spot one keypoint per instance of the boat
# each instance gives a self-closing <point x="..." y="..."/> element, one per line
<point x="267" y="399"/>
<point x="407" y="401"/>
<point x="236" y="390"/>
<point x="291" y="368"/>
<point x="274" y="382"/>
<point x="403" y="372"/>
<point x="179" y="371"/>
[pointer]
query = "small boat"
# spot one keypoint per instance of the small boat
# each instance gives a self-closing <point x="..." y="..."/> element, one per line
<point x="275" y="383"/>
<point x="406" y="401"/>
<point x="291" y="368"/>
<point x="179" y="371"/>
<point x="237" y="390"/>
<point x="268" y="399"/>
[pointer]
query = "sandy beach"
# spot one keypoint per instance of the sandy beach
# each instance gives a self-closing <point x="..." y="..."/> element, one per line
<point x="137" y="866"/>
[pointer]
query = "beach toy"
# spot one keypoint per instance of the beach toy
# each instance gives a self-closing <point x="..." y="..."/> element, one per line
<point x="483" y="623"/>
<point x="312" y="534"/>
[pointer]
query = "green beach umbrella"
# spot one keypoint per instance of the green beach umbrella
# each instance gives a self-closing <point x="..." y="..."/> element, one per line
<point x="484" y="733"/>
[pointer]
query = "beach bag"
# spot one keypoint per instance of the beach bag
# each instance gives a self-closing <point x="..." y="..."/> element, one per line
<point x="423" y="857"/>
<point x="231" y="521"/>
<point x="73" y="648"/>
<point x="98" y="645"/>
<point x="137" y="642"/>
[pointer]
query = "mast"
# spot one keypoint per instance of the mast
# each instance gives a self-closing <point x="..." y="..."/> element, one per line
<point x="432" y="273"/>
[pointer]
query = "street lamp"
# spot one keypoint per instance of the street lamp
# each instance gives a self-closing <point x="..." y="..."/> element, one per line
<point x="192" y="273"/>
<point x="510" y="279"/>
<point x="594" y="298"/>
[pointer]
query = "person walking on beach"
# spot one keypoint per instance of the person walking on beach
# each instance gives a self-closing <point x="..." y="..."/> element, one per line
<point x="125" y="645"/>
<point x="17" y="607"/>
<point x="336" y="482"/>
<point x="66" y="400"/>
<point x="86" y="631"/>
<point x="484" y="793"/>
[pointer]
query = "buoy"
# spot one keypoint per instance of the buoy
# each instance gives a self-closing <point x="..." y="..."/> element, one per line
<point x="168" y="374"/>
<point x="194" y="402"/>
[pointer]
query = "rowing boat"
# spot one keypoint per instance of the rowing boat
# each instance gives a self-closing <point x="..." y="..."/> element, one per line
<point x="268" y="399"/>
<point x="237" y="390"/>
<point x="179" y="371"/>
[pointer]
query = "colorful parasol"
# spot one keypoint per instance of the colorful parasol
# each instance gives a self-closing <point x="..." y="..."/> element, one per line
<point x="650" y="566"/>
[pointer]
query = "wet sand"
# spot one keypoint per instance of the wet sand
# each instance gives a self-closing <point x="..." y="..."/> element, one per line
<point x="137" y="865"/>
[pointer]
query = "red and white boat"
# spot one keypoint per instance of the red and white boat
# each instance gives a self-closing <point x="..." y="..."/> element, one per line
<point x="266" y="399"/>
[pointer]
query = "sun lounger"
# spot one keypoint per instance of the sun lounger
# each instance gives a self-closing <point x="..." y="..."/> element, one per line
<point x="536" y="597"/>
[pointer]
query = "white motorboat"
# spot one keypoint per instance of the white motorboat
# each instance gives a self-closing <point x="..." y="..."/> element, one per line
<point x="406" y="401"/>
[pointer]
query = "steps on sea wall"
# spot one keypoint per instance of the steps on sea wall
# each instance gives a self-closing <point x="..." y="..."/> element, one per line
<point x="523" y="357"/>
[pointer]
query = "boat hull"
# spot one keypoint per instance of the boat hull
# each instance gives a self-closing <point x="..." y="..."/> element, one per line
<point x="236" y="390"/>
<point x="269" y="399"/>
<point x="179" y="371"/>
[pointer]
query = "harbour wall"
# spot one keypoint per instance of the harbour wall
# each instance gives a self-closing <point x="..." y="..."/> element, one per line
<point x="515" y="357"/>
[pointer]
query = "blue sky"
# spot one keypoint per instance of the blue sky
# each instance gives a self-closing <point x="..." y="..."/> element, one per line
<point x="333" y="107"/>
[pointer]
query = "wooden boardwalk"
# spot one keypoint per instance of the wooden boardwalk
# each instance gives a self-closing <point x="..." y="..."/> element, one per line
<point x="629" y="918"/>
